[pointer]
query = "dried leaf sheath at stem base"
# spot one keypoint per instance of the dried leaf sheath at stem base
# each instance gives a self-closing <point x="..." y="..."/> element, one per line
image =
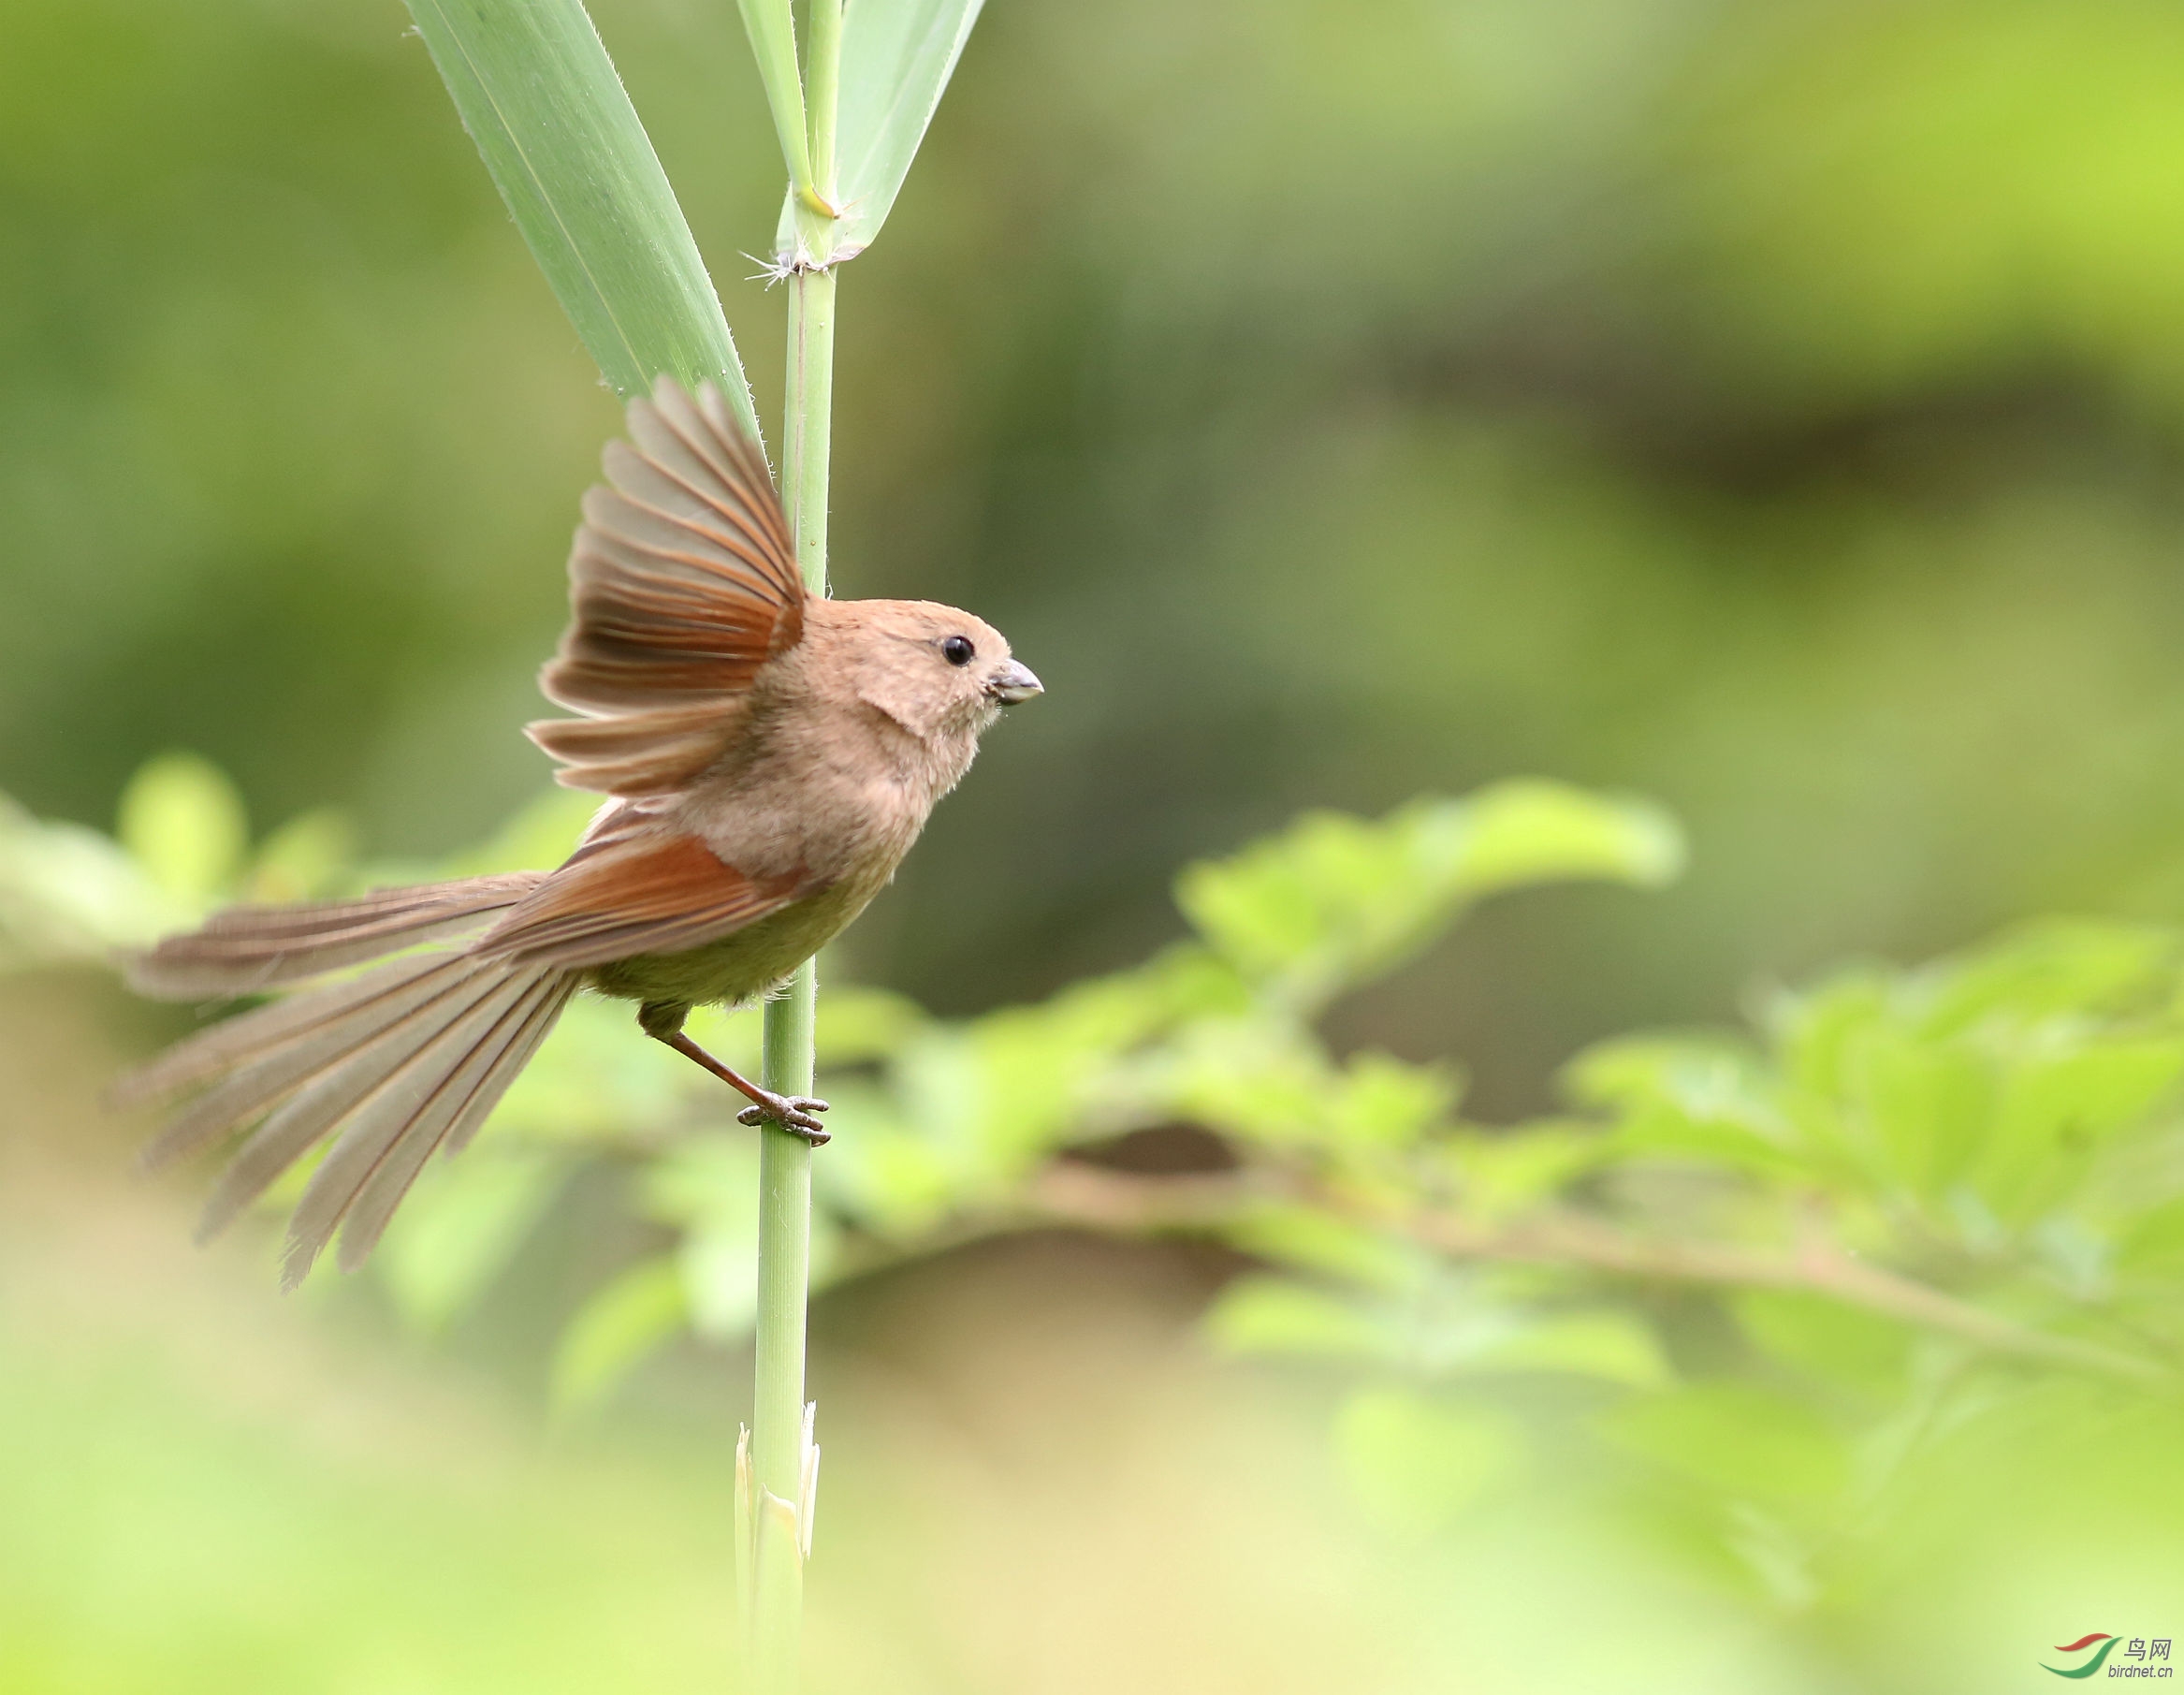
<point x="769" y="758"/>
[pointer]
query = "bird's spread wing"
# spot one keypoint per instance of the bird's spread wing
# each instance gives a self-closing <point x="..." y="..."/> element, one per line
<point x="682" y="583"/>
<point x="626" y="893"/>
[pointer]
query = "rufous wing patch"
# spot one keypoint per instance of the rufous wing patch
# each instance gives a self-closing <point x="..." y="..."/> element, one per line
<point x="633" y="894"/>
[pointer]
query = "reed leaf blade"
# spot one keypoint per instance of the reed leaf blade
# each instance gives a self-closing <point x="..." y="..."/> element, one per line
<point x="897" y="57"/>
<point x="772" y="28"/>
<point x="539" y="96"/>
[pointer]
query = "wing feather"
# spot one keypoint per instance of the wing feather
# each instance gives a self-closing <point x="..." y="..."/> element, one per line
<point x="643" y="892"/>
<point x="639" y="752"/>
<point x="262" y="1081"/>
<point x="683" y="584"/>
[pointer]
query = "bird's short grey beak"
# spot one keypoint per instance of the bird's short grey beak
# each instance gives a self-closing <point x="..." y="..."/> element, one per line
<point x="1012" y="683"/>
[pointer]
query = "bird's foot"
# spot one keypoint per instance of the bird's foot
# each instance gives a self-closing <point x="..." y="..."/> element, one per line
<point x="793" y="1113"/>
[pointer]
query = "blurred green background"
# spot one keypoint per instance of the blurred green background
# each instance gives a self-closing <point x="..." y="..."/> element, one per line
<point x="1773" y="407"/>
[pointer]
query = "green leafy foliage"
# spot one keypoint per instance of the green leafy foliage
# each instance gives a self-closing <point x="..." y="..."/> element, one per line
<point x="621" y="1323"/>
<point x="1981" y="1101"/>
<point x="1334" y="901"/>
<point x="68" y="893"/>
<point x="1749" y="1272"/>
<point x="182" y="846"/>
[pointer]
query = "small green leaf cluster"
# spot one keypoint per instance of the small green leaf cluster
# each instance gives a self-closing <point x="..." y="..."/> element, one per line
<point x="2000" y="1124"/>
<point x="950" y="1130"/>
<point x="181" y="847"/>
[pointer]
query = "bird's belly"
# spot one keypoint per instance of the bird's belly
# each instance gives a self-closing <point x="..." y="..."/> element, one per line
<point x="740" y="966"/>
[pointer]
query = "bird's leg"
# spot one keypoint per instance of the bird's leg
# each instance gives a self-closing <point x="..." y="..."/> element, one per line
<point x="793" y="1113"/>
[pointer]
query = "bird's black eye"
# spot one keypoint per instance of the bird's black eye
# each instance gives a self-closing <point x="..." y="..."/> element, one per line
<point x="957" y="650"/>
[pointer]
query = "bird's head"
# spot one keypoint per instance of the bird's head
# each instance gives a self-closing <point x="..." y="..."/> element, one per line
<point x="938" y="672"/>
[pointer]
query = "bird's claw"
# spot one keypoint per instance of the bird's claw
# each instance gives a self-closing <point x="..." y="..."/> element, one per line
<point x="793" y="1113"/>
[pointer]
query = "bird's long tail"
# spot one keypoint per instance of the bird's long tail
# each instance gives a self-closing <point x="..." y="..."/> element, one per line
<point x="248" y="949"/>
<point x="402" y="1059"/>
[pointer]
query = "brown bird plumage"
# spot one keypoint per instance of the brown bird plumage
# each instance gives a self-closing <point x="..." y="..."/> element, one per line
<point x="770" y="756"/>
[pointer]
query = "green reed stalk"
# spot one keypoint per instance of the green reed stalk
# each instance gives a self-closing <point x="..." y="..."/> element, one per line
<point x="775" y="1565"/>
<point x="538" y="93"/>
<point x="783" y="1460"/>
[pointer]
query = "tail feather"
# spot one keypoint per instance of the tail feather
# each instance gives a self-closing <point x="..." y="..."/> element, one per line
<point x="247" y="1035"/>
<point x="408" y="1056"/>
<point x="539" y="1019"/>
<point x="456" y="1112"/>
<point x="388" y="1090"/>
<point x="248" y="949"/>
<point x="338" y="1085"/>
<point x="257" y="1080"/>
<point x="390" y="1095"/>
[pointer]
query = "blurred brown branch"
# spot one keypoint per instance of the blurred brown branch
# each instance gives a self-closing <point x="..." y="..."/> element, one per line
<point x="1091" y="1197"/>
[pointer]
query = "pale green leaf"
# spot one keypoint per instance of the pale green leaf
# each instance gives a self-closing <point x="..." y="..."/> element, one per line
<point x="1313" y="1239"/>
<point x="708" y="1185"/>
<point x="538" y="836"/>
<point x="1009" y="1086"/>
<point x="597" y="1079"/>
<point x="1819" y="1030"/>
<point x="2060" y="1099"/>
<point x="897" y="56"/>
<point x="182" y="821"/>
<point x="858" y="1024"/>
<point x="541" y="99"/>
<point x="615" y="1330"/>
<point x="1612" y="1346"/>
<point x="2049" y="966"/>
<point x="1739" y="1440"/>
<point x="461" y="1228"/>
<point x="1272" y="1315"/>
<point x="303" y="859"/>
<point x="68" y="893"/>
<point x="1829" y="1340"/>
<point x="1415" y="1464"/>
<point x="705" y="1182"/>
<point x="1262" y="1083"/>
<point x="1506" y="1171"/>
<point x="1701" y="1099"/>
<point x="1531" y="831"/>
<point x="2153" y="1245"/>
<point x="1924" y="1104"/>
<point x="1334" y="899"/>
<point x="893" y="1181"/>
<point x="718" y="1265"/>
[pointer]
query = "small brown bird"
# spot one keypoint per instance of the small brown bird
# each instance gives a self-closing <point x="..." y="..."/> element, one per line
<point x="770" y="755"/>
